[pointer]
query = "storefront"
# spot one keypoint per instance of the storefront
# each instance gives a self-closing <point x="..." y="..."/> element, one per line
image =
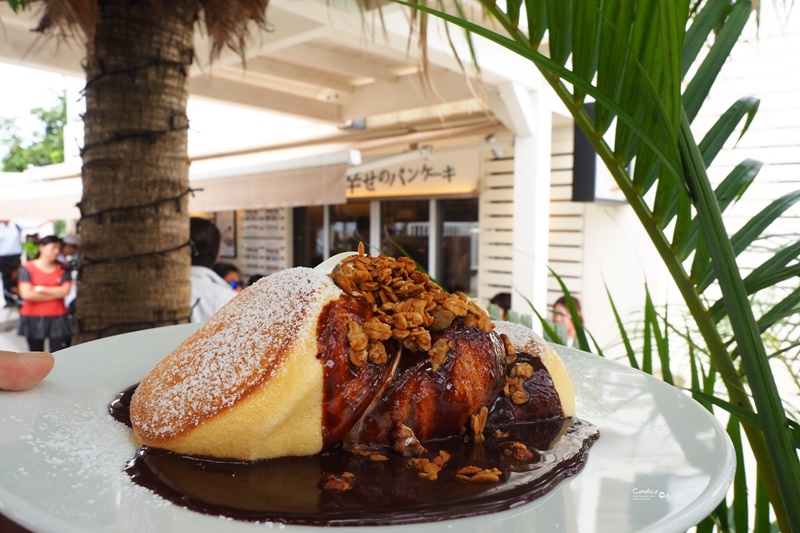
<point x="422" y="203"/>
<point x="448" y="204"/>
<point x="449" y="253"/>
<point x="447" y="201"/>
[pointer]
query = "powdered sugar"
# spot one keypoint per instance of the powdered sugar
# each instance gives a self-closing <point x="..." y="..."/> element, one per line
<point x="80" y="449"/>
<point x="238" y="348"/>
<point x="522" y="337"/>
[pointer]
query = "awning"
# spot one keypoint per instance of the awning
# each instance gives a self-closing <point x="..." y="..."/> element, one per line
<point x="310" y="180"/>
<point x="266" y="179"/>
<point x="46" y="193"/>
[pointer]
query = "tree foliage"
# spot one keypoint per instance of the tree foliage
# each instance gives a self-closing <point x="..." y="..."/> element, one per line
<point x="47" y="144"/>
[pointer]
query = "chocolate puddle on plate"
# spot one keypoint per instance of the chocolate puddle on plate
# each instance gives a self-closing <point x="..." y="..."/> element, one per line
<point x="385" y="493"/>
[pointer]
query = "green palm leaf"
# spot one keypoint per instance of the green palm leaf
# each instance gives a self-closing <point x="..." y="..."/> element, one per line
<point x="706" y="74"/>
<point x="513" y="8"/>
<point x="548" y="331"/>
<point x="762" y="519"/>
<point x="745" y="328"/>
<point x="710" y="16"/>
<point x="537" y="22"/>
<point x="642" y="42"/>
<point x="740" y="514"/>
<point x="769" y="274"/>
<point x="581" y="342"/>
<point x="731" y="188"/>
<point x="612" y="60"/>
<point x="788" y="306"/>
<point x="623" y="333"/>
<point x="748" y="417"/>
<point x="721" y="131"/>
<point x="641" y="88"/>
<point x="751" y="231"/>
<point x="559" y="23"/>
<point x="585" y="37"/>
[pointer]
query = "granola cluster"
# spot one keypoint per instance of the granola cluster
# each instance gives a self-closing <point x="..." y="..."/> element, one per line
<point x="340" y="483"/>
<point x="404" y="442"/>
<point x="407" y="305"/>
<point x="477" y="423"/>
<point x="476" y="474"/>
<point x="516" y="451"/>
<point x="515" y="383"/>
<point x="429" y="468"/>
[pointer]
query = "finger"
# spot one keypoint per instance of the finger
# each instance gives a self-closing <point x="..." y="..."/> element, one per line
<point x="21" y="371"/>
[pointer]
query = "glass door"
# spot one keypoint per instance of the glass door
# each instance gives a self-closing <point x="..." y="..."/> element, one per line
<point x="349" y="225"/>
<point x="405" y="227"/>
<point x="458" y="245"/>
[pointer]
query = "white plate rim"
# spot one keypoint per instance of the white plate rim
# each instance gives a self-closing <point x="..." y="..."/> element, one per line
<point x="31" y="515"/>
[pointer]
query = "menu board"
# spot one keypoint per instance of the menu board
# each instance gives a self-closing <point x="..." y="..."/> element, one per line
<point x="264" y="241"/>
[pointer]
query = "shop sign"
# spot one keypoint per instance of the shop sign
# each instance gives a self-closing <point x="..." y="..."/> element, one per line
<point x="440" y="174"/>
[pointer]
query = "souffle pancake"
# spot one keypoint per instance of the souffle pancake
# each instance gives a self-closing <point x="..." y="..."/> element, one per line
<point x="370" y="354"/>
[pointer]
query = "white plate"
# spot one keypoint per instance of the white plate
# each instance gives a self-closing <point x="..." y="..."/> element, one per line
<point x="662" y="462"/>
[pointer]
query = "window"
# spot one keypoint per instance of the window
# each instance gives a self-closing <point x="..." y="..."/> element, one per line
<point x="458" y="245"/>
<point x="307" y="245"/>
<point x="349" y="225"/>
<point x="404" y="227"/>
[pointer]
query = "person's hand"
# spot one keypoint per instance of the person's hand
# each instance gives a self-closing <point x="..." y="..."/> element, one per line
<point x="22" y="371"/>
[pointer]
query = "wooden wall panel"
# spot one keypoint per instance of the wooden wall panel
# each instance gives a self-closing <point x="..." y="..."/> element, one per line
<point x="496" y="221"/>
<point x="496" y="218"/>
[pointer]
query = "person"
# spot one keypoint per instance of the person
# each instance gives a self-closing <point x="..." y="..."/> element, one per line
<point x="209" y="291"/>
<point x="30" y="247"/>
<point x="561" y="315"/>
<point x="254" y="278"/>
<point x="22" y="371"/>
<point x="230" y="273"/>
<point x="43" y="285"/>
<point x="12" y="291"/>
<point x="68" y="255"/>
<point x="503" y="301"/>
<point x="10" y="253"/>
<point x="69" y="259"/>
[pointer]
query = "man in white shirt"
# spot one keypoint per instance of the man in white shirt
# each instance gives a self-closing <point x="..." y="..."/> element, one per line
<point x="10" y="252"/>
<point x="209" y="291"/>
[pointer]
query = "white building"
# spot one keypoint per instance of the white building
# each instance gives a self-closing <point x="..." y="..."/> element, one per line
<point x="473" y="179"/>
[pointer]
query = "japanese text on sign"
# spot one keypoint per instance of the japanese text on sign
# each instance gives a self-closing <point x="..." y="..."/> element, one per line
<point x="399" y="177"/>
<point x="454" y="172"/>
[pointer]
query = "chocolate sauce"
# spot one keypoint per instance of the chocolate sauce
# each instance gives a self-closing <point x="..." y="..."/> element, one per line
<point x="285" y="490"/>
<point x="348" y="390"/>
<point x="120" y="407"/>
<point x="543" y="400"/>
<point x="437" y="404"/>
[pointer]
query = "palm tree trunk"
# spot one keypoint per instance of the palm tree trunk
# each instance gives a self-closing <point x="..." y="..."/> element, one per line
<point x="134" y="268"/>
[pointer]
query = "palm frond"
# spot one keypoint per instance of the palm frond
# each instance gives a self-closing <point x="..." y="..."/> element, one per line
<point x="644" y="52"/>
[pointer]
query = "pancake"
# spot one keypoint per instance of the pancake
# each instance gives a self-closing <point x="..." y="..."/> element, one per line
<point x="365" y="351"/>
<point x="527" y="341"/>
<point x="247" y="384"/>
<point x="437" y="404"/>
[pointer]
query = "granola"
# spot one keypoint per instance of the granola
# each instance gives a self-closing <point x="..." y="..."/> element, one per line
<point x="404" y="441"/>
<point x="475" y="474"/>
<point x="478" y="424"/>
<point x="407" y="305"/>
<point x="516" y="450"/>
<point x="343" y="482"/>
<point x="429" y="468"/>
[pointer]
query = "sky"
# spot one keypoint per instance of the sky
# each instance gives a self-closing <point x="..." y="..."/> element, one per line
<point x="214" y="128"/>
<point x="23" y="89"/>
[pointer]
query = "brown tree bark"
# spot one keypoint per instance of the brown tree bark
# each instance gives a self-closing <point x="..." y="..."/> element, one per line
<point x="134" y="227"/>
